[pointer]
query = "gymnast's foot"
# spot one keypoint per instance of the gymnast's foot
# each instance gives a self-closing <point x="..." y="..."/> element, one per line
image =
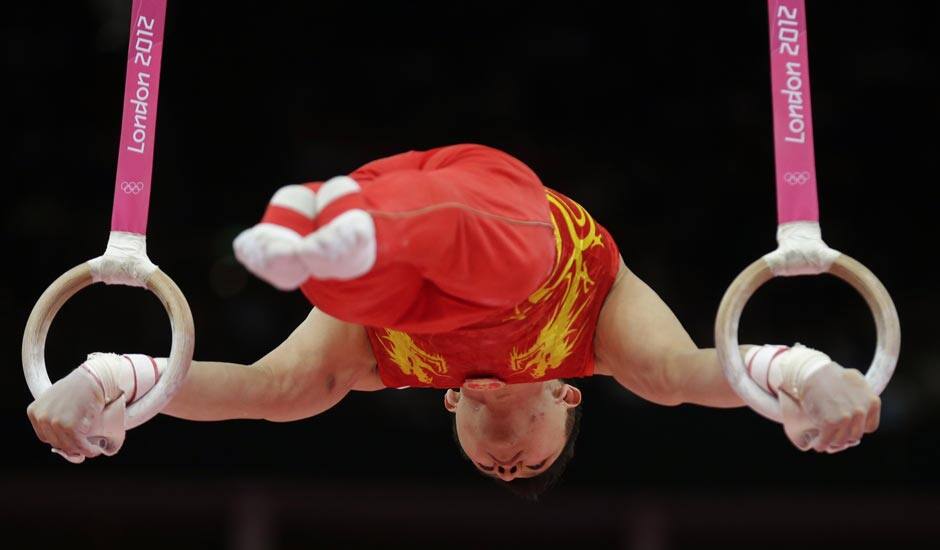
<point x="343" y="249"/>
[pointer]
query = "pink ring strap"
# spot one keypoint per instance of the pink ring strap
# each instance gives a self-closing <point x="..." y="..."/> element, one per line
<point x="138" y="127"/>
<point x="793" y="115"/>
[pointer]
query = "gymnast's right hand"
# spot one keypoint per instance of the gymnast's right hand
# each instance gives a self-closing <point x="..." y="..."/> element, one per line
<point x="65" y="414"/>
<point x="82" y="415"/>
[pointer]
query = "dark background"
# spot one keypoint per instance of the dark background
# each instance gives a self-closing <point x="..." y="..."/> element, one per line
<point x="655" y="117"/>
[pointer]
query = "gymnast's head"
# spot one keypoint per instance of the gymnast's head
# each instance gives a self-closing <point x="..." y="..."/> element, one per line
<point x="521" y="435"/>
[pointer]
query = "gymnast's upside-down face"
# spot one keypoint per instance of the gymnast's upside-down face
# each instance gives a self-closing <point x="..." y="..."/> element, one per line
<point x="514" y="432"/>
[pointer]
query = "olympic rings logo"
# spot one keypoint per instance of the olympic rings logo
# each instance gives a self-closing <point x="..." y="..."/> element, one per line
<point x="796" y="178"/>
<point x="132" y="187"/>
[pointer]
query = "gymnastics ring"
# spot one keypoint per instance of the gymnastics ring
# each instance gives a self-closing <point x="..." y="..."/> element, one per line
<point x="801" y="250"/>
<point x="844" y="267"/>
<point x="181" y="350"/>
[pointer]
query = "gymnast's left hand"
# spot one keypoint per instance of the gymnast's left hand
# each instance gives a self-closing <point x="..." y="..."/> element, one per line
<point x="830" y="410"/>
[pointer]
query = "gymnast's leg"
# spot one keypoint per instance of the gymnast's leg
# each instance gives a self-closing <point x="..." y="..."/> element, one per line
<point x="423" y="242"/>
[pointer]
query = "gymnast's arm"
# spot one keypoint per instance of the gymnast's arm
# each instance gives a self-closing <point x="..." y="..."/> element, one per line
<point x="310" y="372"/>
<point x="644" y="347"/>
<point x="641" y="343"/>
<point x="307" y="374"/>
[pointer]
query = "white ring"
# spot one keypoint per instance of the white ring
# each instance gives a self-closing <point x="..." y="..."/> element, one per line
<point x="736" y="297"/>
<point x="181" y="350"/>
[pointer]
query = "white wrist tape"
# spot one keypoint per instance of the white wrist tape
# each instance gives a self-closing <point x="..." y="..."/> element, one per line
<point x="758" y="361"/>
<point x="776" y="368"/>
<point x="131" y="375"/>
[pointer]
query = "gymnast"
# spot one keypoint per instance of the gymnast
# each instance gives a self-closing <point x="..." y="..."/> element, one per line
<point x="457" y="269"/>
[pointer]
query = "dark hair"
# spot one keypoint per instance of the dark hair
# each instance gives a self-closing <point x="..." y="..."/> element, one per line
<point x="531" y="488"/>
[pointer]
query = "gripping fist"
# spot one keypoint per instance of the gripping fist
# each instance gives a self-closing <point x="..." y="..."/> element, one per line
<point x="82" y="415"/>
<point x="73" y="418"/>
<point x="825" y="407"/>
<point x="831" y="411"/>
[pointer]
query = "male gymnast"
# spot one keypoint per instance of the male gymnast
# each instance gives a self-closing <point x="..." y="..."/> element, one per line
<point x="456" y="269"/>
